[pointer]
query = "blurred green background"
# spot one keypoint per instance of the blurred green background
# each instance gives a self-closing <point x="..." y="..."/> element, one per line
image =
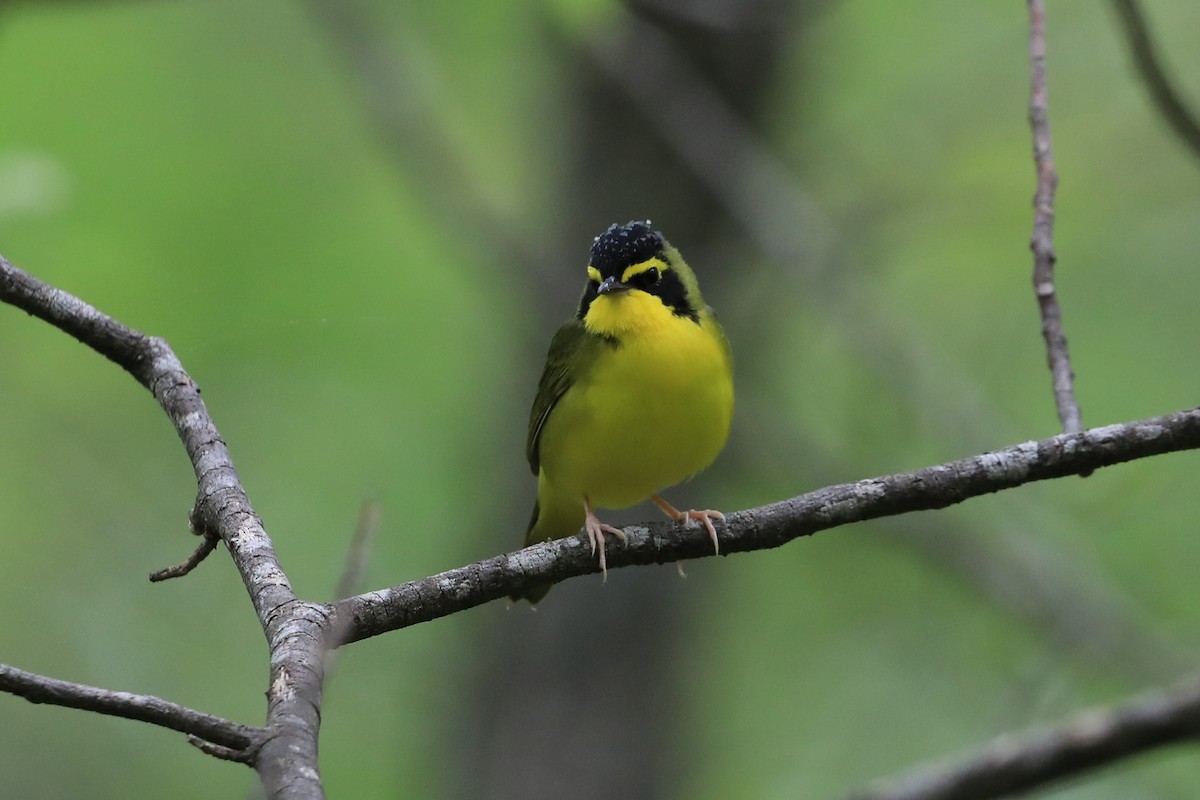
<point x="358" y="225"/>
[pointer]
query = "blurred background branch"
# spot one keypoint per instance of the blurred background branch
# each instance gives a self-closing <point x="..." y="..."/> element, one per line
<point x="1167" y="98"/>
<point x="1017" y="763"/>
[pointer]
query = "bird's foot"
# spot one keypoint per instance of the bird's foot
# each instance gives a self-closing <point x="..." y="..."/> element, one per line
<point x="595" y="533"/>
<point x="685" y="517"/>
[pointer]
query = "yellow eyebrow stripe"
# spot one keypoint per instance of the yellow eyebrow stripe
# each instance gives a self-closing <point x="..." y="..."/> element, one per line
<point x="637" y="269"/>
<point x="594" y="274"/>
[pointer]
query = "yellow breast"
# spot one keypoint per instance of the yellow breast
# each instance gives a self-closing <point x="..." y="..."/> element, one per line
<point x="648" y="413"/>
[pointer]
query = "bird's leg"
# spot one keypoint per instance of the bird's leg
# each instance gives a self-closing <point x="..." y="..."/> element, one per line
<point x="684" y="516"/>
<point x="595" y="533"/>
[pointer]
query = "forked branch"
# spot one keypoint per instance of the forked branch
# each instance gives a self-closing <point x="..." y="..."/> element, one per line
<point x="287" y="759"/>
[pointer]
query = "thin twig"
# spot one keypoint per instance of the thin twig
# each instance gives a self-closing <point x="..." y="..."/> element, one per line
<point x="237" y="755"/>
<point x="145" y="708"/>
<point x="354" y="571"/>
<point x="1011" y="764"/>
<point x="207" y="545"/>
<point x="358" y="554"/>
<point x="1042" y="240"/>
<point x="1166" y="98"/>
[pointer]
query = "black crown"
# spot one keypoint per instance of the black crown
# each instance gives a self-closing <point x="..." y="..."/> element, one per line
<point x="622" y="245"/>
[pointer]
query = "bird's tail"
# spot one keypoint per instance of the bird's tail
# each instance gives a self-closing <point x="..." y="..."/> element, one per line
<point x="533" y="535"/>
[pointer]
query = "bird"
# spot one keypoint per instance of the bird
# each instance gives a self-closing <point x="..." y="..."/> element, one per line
<point x="636" y="395"/>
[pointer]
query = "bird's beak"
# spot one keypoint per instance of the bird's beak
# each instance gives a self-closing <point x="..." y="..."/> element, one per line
<point x="610" y="285"/>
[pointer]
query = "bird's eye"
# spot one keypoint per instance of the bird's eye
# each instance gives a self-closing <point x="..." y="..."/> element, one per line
<point x="651" y="277"/>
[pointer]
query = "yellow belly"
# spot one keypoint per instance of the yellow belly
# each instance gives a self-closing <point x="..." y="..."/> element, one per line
<point x="647" y="415"/>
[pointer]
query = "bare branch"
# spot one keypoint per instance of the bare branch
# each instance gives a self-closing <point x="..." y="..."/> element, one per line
<point x="1166" y="98"/>
<point x="221" y="505"/>
<point x="145" y="708"/>
<point x="287" y="761"/>
<point x="1042" y="241"/>
<point x="772" y="525"/>
<point x="1011" y="764"/>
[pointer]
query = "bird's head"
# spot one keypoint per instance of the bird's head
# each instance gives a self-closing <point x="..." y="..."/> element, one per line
<point x="637" y="282"/>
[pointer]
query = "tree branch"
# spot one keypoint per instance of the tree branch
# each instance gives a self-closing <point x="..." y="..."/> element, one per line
<point x="377" y="612"/>
<point x="145" y="708"/>
<point x="1011" y="764"/>
<point x="1166" y="98"/>
<point x="221" y="506"/>
<point x="287" y="760"/>
<point x="1042" y="240"/>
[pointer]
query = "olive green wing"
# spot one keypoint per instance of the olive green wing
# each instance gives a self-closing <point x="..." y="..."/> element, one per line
<point x="572" y="351"/>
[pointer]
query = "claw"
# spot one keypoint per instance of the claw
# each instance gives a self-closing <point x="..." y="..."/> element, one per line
<point x="595" y="533"/>
<point x="685" y="517"/>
